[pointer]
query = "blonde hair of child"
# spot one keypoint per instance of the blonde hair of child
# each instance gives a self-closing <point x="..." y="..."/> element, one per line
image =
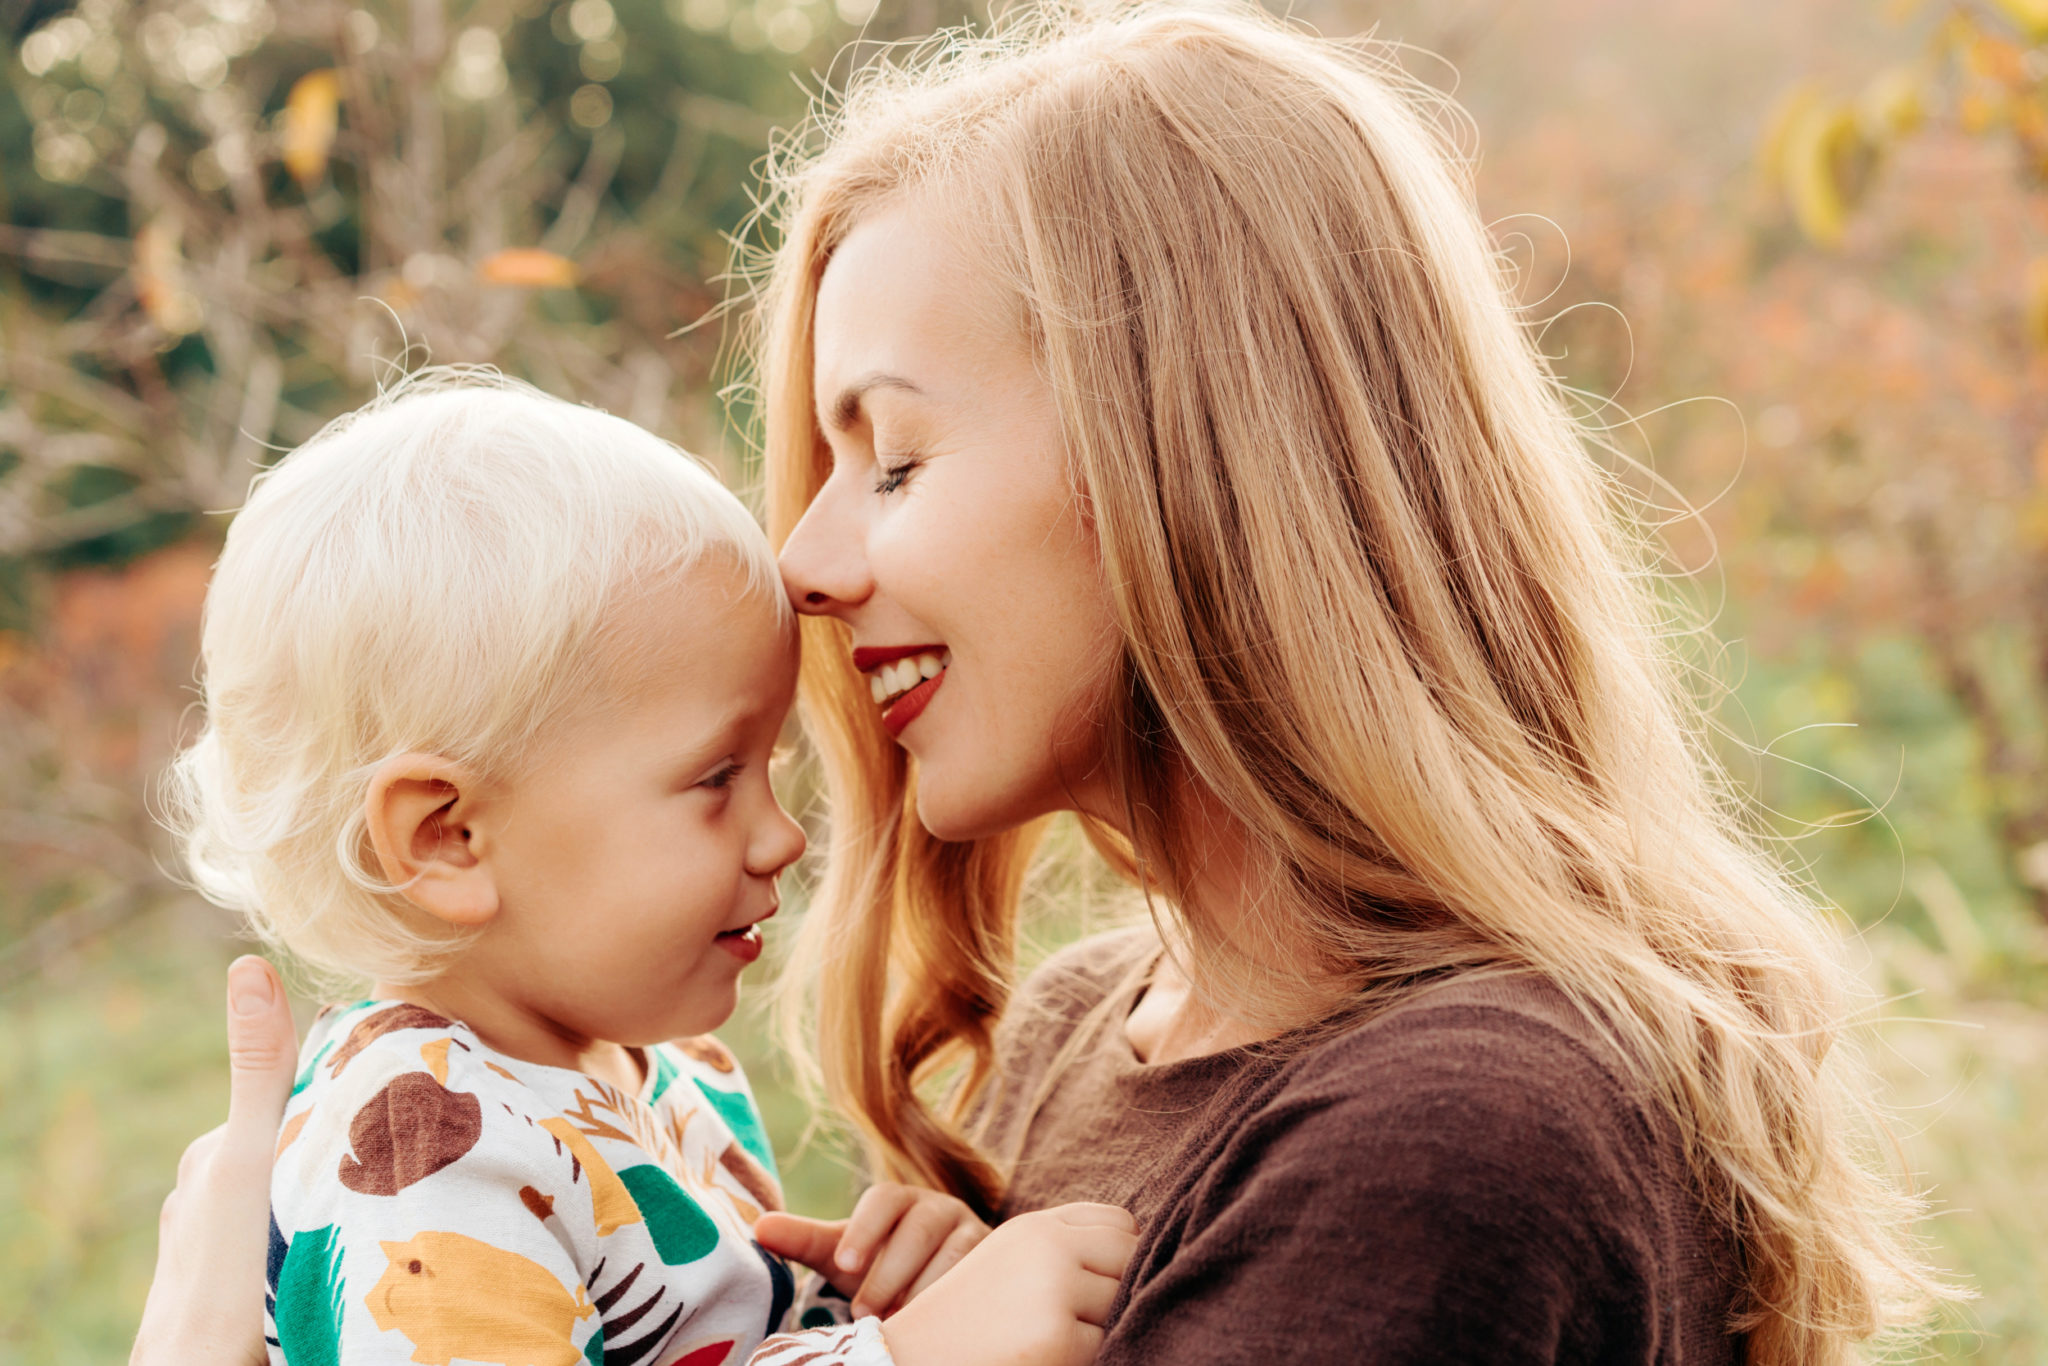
<point x="434" y="572"/>
<point x="1376" y="597"/>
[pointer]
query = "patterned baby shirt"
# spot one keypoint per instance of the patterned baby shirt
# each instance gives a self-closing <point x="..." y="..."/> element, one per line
<point x="435" y="1202"/>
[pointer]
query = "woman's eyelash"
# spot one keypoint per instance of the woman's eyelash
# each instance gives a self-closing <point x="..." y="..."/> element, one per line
<point x="723" y="777"/>
<point x="893" y="477"/>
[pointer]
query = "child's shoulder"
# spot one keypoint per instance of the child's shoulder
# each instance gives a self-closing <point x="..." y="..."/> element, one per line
<point x="391" y="1067"/>
<point x="387" y="1037"/>
<point x="712" y="1075"/>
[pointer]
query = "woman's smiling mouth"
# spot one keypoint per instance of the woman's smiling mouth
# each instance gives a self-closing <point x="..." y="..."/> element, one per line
<point x="902" y="679"/>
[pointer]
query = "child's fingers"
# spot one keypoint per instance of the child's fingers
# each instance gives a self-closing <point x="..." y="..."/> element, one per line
<point x="1093" y="1297"/>
<point x="918" y="1234"/>
<point x="810" y="1242"/>
<point x="958" y="1244"/>
<point x="1102" y="1250"/>
<point x="874" y="1215"/>
<point x="1083" y="1213"/>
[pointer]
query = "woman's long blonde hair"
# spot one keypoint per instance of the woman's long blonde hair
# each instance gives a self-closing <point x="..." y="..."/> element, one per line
<point x="1375" y="599"/>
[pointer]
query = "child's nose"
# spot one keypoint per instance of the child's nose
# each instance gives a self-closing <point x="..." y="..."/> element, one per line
<point x="779" y="843"/>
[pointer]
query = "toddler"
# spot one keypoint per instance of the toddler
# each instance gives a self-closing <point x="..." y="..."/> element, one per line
<point x="492" y="685"/>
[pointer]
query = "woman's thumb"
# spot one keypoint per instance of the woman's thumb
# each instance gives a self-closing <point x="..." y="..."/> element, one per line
<point x="263" y="1048"/>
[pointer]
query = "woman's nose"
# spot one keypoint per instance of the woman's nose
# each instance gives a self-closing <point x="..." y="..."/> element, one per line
<point x="824" y="561"/>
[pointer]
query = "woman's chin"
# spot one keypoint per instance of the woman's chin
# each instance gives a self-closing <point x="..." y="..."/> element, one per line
<point x="948" y="812"/>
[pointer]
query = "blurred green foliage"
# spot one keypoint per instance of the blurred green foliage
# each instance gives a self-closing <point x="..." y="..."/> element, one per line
<point x="1861" y="431"/>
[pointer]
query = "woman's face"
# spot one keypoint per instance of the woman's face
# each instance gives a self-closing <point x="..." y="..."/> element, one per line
<point x="948" y="537"/>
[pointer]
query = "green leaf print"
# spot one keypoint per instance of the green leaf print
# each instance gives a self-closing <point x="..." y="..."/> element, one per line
<point x="682" y="1232"/>
<point x="665" y="1073"/>
<point x="593" y="1350"/>
<point x="309" y="1292"/>
<point x="306" y="1077"/>
<point x="736" y="1108"/>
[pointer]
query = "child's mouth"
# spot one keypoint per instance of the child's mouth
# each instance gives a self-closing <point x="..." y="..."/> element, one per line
<point x="744" y="944"/>
<point x="903" y="686"/>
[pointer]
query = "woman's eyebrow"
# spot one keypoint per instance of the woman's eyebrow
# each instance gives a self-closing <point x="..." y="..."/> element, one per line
<point x="845" y="409"/>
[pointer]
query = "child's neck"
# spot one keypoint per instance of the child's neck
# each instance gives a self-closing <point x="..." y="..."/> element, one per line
<point x="520" y="1032"/>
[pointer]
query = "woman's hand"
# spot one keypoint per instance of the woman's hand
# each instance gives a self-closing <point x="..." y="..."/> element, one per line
<point x="898" y="1240"/>
<point x="1035" y="1292"/>
<point x="205" y="1306"/>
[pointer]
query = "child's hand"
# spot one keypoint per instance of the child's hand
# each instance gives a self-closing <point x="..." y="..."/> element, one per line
<point x="1034" y="1293"/>
<point x="898" y="1240"/>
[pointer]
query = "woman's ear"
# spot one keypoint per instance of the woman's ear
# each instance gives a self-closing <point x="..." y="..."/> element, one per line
<point x="419" y="810"/>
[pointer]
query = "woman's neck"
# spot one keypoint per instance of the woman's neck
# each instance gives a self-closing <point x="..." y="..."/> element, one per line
<point x="1171" y="1024"/>
<point x="1172" y="1021"/>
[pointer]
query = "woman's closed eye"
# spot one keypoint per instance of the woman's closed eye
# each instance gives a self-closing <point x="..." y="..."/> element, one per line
<point x="895" y="473"/>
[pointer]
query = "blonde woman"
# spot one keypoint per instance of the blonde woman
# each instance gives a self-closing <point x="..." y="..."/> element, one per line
<point x="1151" y="435"/>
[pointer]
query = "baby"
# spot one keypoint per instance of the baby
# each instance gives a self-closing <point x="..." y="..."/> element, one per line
<point x="492" y="686"/>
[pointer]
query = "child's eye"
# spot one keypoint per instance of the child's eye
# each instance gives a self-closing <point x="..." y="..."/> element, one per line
<point x="722" y="777"/>
<point x="893" y="477"/>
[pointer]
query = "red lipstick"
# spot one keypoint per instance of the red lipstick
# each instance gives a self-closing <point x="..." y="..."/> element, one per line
<point x="908" y="707"/>
<point x="868" y="658"/>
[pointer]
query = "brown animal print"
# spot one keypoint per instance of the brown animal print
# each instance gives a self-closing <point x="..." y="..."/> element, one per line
<point x="708" y="1051"/>
<point x="407" y="1132"/>
<point x="377" y="1025"/>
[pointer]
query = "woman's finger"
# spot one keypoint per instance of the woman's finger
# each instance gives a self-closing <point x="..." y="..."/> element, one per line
<point x="874" y="1215"/>
<point x="958" y="1244"/>
<point x="809" y="1242"/>
<point x="917" y="1235"/>
<point x="263" y="1049"/>
<point x="198" y="1153"/>
<point x="205" y="1304"/>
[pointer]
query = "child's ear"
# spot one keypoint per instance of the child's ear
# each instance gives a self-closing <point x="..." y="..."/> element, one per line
<point x="419" y="810"/>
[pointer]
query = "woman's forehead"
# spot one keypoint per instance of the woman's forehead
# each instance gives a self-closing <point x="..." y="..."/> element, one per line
<point x="903" y="300"/>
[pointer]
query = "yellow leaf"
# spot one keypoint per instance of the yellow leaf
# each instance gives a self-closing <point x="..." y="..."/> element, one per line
<point x="1827" y="162"/>
<point x="1793" y="106"/>
<point x="2030" y="15"/>
<point x="159" y="274"/>
<point x="528" y="268"/>
<point x="1893" y="104"/>
<point x="1978" y="112"/>
<point x="2032" y="521"/>
<point x="2034" y="302"/>
<point x="1996" y="59"/>
<point x="2030" y="123"/>
<point x="311" y="115"/>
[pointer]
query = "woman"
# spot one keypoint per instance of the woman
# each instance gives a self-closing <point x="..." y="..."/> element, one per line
<point x="1150" y="385"/>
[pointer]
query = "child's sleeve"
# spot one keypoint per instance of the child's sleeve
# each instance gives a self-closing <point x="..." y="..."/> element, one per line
<point x="425" y="1228"/>
<point x="849" y="1344"/>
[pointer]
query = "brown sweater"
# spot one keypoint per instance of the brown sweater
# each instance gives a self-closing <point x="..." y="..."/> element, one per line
<point x="1471" y="1177"/>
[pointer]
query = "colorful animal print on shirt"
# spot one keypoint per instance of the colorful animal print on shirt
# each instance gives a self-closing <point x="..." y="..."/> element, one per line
<point x="437" y="1202"/>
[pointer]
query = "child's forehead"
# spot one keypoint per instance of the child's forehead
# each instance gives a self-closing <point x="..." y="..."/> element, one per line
<point x="709" y="634"/>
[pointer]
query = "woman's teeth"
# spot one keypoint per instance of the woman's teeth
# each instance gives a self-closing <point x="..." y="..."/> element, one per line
<point x="890" y="681"/>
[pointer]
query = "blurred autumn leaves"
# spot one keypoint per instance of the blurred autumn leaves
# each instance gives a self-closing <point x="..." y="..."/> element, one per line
<point x="227" y="222"/>
<point x="1983" y="72"/>
<point x="1965" y="516"/>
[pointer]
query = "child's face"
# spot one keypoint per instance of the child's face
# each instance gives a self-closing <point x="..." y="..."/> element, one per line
<point x="636" y="856"/>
